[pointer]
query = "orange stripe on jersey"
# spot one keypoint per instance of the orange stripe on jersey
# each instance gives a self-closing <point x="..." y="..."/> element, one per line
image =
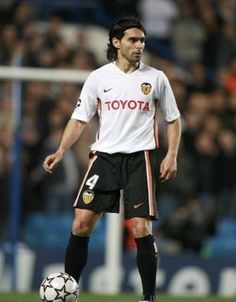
<point x="99" y="105"/>
<point x="149" y="183"/>
<point x="155" y="125"/>
<point x="91" y="161"/>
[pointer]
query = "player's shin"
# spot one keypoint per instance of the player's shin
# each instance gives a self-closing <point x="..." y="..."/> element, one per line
<point x="147" y="265"/>
<point x="76" y="256"/>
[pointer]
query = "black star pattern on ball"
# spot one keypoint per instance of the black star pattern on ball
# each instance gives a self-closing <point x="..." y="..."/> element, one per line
<point x="64" y="276"/>
<point x="61" y="294"/>
<point x="47" y="283"/>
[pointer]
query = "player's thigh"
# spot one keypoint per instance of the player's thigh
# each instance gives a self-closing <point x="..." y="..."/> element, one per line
<point x="139" y="193"/>
<point x="100" y="190"/>
<point x="84" y="221"/>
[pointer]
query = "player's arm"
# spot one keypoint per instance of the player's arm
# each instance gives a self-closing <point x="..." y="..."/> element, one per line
<point x="72" y="132"/>
<point x="168" y="167"/>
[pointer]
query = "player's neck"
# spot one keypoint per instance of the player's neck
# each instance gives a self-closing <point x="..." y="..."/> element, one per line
<point x="127" y="67"/>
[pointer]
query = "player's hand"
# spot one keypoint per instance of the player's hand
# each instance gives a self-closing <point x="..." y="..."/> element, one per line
<point x="51" y="161"/>
<point x="168" y="168"/>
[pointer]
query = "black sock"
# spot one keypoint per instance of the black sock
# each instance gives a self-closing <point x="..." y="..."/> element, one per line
<point x="76" y="256"/>
<point x="147" y="265"/>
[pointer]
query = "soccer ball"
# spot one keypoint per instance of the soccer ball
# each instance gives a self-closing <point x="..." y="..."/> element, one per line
<point x="59" y="287"/>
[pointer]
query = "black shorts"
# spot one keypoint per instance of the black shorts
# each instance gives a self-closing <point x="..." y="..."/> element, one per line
<point x="107" y="174"/>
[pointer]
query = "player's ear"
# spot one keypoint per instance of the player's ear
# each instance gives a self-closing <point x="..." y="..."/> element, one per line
<point x="116" y="42"/>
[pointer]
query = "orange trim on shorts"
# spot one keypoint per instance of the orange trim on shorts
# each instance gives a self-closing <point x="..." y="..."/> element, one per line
<point x="149" y="183"/>
<point x="91" y="161"/>
<point x="155" y="125"/>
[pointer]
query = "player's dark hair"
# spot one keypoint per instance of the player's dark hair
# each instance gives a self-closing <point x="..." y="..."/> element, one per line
<point x="118" y="30"/>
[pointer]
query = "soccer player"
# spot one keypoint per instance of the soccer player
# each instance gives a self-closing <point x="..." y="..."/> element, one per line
<point x="125" y="93"/>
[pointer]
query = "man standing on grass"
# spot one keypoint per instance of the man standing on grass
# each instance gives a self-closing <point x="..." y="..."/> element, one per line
<point x="125" y="93"/>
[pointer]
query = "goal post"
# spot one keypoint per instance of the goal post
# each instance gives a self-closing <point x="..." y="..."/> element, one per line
<point x="43" y="74"/>
<point x="113" y="237"/>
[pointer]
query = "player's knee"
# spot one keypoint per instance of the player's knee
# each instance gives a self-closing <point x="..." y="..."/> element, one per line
<point x="81" y="227"/>
<point x="140" y="227"/>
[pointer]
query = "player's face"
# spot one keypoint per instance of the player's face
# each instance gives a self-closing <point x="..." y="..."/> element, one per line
<point x="131" y="46"/>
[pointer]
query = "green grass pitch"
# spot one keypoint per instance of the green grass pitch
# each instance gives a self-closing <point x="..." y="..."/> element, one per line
<point x="86" y="297"/>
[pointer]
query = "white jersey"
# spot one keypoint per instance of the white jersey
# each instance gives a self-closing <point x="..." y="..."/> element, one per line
<point x="127" y="106"/>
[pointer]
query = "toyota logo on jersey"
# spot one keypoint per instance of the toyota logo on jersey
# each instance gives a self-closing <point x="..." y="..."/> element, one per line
<point x="146" y="88"/>
<point x="128" y="104"/>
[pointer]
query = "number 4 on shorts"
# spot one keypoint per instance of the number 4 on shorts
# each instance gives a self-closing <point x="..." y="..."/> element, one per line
<point x="91" y="181"/>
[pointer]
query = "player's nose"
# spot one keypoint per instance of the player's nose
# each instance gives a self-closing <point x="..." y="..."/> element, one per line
<point x="140" y="45"/>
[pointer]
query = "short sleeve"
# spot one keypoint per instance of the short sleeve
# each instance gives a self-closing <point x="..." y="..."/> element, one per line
<point x="167" y="100"/>
<point x="87" y="104"/>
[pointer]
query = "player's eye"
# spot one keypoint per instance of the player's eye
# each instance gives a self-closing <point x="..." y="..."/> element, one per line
<point x="132" y="40"/>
